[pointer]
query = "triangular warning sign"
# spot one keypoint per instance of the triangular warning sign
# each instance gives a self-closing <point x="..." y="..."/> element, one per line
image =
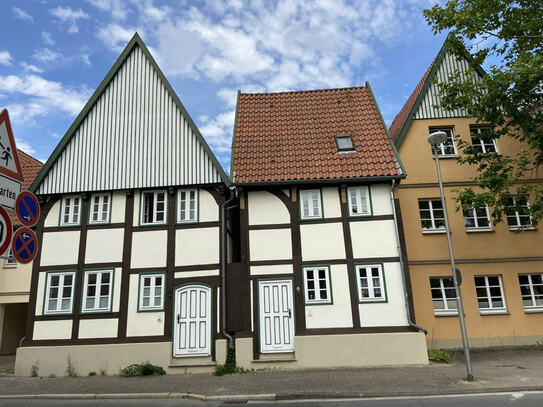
<point x="9" y="157"/>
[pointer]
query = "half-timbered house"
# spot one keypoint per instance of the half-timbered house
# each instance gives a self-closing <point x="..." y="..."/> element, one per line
<point x="131" y="242"/>
<point x="321" y="272"/>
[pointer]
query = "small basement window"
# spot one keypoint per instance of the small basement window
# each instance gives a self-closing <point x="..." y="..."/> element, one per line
<point x="344" y="143"/>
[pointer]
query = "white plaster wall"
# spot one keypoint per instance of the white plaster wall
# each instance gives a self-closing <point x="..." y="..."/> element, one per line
<point x="40" y="293"/>
<point x="197" y="246"/>
<point x="330" y="202"/>
<point x="53" y="216"/>
<point x="98" y="328"/>
<point x="322" y="241"/>
<point x="380" y="199"/>
<point x="118" y="202"/>
<point x="338" y="314"/>
<point x="265" y="208"/>
<point x="275" y="269"/>
<point x="141" y="323"/>
<point x="196" y="274"/>
<point x="136" y="214"/>
<point x="104" y="246"/>
<point x="60" y="248"/>
<point x="209" y="209"/>
<point x="116" y="289"/>
<point x="374" y="239"/>
<point x="52" y="329"/>
<point x="149" y="249"/>
<point x="392" y="312"/>
<point x="272" y="244"/>
<point x="14" y="281"/>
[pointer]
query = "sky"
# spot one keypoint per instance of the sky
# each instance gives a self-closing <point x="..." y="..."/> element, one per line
<point x="54" y="54"/>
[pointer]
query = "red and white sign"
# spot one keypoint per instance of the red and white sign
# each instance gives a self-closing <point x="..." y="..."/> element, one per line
<point x="6" y="230"/>
<point x="11" y="174"/>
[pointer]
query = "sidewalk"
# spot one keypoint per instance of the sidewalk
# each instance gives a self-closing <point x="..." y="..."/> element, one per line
<point x="494" y="370"/>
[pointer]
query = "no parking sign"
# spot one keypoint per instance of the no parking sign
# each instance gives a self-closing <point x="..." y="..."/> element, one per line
<point x="27" y="208"/>
<point x="24" y="245"/>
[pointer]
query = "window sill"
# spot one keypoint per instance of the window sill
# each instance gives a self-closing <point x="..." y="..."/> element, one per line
<point x="9" y="266"/>
<point x="446" y="314"/>
<point x="479" y="230"/>
<point x="494" y="312"/>
<point x="433" y="231"/>
<point x="445" y="156"/>
<point x="377" y="301"/>
<point x="312" y="218"/>
<point x="521" y="229"/>
<point x="534" y="310"/>
<point x="310" y="304"/>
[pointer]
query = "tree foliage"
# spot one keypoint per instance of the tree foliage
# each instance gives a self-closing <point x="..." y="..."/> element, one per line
<point x="507" y="35"/>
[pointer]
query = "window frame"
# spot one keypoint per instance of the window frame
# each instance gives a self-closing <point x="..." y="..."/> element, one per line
<point x="530" y="308"/>
<point x="61" y="222"/>
<point x="342" y="149"/>
<point x="518" y="226"/>
<point x="477" y="228"/>
<point x="482" y="143"/>
<point x="91" y="207"/>
<point x="444" y="311"/>
<point x="196" y="205"/>
<point x="330" y="299"/>
<point x="440" y="147"/>
<point x="491" y="310"/>
<point x="142" y="206"/>
<point x="83" y="304"/>
<point x="320" y="203"/>
<point x="372" y="299"/>
<point x="141" y="276"/>
<point x="47" y="286"/>
<point x="368" y="198"/>
<point x="7" y="263"/>
<point x="432" y="218"/>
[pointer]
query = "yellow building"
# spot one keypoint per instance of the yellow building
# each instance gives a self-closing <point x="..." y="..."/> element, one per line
<point x="502" y="268"/>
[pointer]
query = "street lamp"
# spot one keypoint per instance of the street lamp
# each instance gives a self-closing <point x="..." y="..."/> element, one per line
<point x="436" y="138"/>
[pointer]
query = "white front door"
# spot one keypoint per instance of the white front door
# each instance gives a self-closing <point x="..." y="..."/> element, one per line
<point x="276" y="316"/>
<point x="192" y="321"/>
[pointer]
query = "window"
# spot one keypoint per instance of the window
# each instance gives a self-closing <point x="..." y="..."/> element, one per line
<point x="317" y="285"/>
<point x="344" y="143"/>
<point x="71" y="211"/>
<point x="490" y="294"/>
<point x="477" y="219"/>
<point x="432" y="216"/>
<point x="371" y="283"/>
<point x="59" y="292"/>
<point x="187" y="205"/>
<point x="9" y="261"/>
<point x="531" y="289"/>
<point x="359" y="201"/>
<point x="153" y="208"/>
<point x="97" y="289"/>
<point x="448" y="148"/>
<point x="151" y="292"/>
<point x="481" y="143"/>
<point x="99" y="208"/>
<point x="443" y="295"/>
<point x="310" y="201"/>
<point x="518" y="217"/>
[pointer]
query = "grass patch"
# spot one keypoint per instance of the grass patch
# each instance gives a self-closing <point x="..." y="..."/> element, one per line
<point x="142" y="369"/>
<point x="438" y="355"/>
<point x="229" y="366"/>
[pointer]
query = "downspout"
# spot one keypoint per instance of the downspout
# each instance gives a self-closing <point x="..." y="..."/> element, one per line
<point x="402" y="264"/>
<point x="225" y="208"/>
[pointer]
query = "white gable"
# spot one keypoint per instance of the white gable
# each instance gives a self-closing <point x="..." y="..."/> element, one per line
<point x="448" y="66"/>
<point x="135" y="136"/>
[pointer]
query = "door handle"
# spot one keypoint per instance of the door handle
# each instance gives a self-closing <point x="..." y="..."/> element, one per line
<point x="289" y="313"/>
<point x="178" y="318"/>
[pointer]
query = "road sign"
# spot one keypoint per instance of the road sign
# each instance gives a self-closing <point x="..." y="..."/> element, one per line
<point x="27" y="208"/>
<point x="6" y="230"/>
<point x="24" y="245"/>
<point x="11" y="174"/>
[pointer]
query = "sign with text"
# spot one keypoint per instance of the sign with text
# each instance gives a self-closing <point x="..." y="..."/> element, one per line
<point x="11" y="174"/>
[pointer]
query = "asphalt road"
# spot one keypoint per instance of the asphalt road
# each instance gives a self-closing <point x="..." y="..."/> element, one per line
<point x="520" y="399"/>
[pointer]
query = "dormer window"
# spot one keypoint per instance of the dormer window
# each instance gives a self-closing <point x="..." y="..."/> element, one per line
<point x="344" y="143"/>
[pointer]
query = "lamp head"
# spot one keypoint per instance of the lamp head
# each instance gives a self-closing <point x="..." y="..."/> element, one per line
<point x="437" y="137"/>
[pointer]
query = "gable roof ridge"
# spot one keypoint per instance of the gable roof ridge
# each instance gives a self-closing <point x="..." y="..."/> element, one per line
<point x="134" y="41"/>
<point x="304" y="91"/>
<point x="403" y="119"/>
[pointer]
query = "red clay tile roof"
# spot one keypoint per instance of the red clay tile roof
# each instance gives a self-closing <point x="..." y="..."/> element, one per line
<point x="400" y="119"/>
<point x="30" y="167"/>
<point x="290" y="136"/>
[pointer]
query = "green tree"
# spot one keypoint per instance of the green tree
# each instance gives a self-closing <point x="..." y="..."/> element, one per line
<point x="508" y="35"/>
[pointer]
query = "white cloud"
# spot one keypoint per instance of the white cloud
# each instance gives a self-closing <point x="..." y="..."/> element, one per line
<point x="116" y="36"/>
<point x="47" y="38"/>
<point x="5" y="58"/>
<point x="20" y="14"/>
<point x="26" y="147"/>
<point x="70" y="16"/>
<point x="30" y="68"/>
<point x="214" y="131"/>
<point x="115" y="8"/>
<point x="45" y="55"/>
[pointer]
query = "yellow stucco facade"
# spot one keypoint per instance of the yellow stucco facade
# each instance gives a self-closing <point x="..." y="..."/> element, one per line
<point x="498" y="252"/>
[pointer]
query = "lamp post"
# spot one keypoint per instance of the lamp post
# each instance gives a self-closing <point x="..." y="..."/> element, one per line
<point x="435" y="139"/>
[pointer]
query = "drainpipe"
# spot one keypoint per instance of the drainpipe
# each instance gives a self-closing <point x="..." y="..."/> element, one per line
<point x="402" y="264"/>
<point x="225" y="208"/>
